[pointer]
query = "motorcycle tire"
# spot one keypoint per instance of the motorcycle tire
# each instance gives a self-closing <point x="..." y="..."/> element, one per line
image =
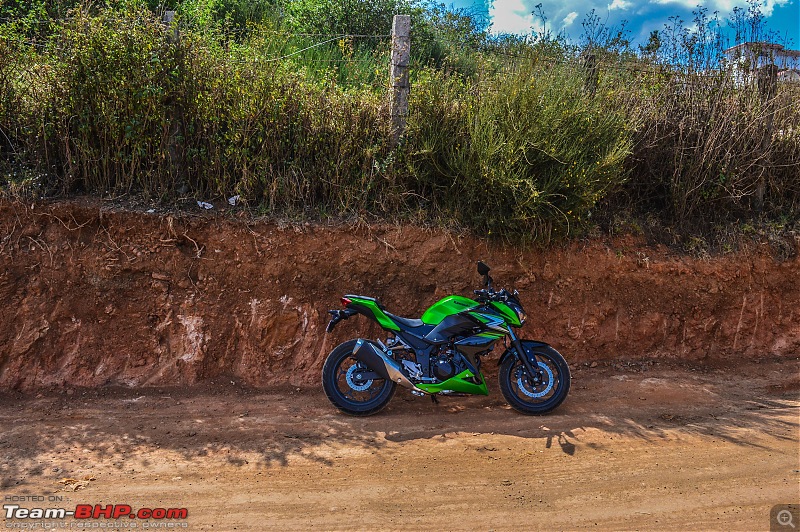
<point x="350" y="395"/>
<point x="544" y="391"/>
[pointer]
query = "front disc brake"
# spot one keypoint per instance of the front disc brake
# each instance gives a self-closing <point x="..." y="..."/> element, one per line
<point x="528" y="388"/>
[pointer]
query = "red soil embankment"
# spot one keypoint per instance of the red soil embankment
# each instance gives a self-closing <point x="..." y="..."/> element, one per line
<point x="93" y="296"/>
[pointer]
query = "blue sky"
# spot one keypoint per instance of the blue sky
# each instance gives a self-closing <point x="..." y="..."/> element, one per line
<point x="514" y="16"/>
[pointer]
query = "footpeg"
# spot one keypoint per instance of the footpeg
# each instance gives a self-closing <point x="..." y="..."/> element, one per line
<point x="414" y="370"/>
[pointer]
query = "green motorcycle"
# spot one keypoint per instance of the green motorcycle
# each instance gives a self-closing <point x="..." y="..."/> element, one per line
<point x="441" y="354"/>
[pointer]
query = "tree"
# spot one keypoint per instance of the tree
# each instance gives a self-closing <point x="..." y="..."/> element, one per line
<point x="652" y="46"/>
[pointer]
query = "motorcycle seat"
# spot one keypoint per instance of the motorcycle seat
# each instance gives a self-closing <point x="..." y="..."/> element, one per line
<point x="406" y="322"/>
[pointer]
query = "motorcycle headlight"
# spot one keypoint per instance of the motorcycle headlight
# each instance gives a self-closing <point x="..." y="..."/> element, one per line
<point x="520" y="313"/>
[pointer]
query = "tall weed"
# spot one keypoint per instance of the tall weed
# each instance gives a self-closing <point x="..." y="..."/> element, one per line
<point x="524" y="153"/>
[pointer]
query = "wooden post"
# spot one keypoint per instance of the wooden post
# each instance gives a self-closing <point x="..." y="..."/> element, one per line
<point x="398" y="75"/>
<point x="767" y="87"/>
<point x="768" y="82"/>
<point x="590" y="82"/>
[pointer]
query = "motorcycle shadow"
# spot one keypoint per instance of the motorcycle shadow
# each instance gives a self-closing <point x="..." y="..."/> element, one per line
<point x="456" y="417"/>
<point x="598" y="414"/>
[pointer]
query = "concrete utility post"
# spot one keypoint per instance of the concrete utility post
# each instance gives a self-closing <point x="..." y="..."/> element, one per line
<point x="175" y="114"/>
<point x="398" y="75"/>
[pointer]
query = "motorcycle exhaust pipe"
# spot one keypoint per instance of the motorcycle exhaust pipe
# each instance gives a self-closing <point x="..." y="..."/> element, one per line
<point x="375" y="359"/>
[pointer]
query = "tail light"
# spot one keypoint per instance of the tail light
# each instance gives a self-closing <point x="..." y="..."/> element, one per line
<point x="345" y="301"/>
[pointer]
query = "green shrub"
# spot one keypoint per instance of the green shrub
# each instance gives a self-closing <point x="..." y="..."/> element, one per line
<point x="523" y="153"/>
<point x="114" y="79"/>
<point x="115" y="104"/>
<point x="234" y="15"/>
<point x="343" y="17"/>
<point x="266" y="131"/>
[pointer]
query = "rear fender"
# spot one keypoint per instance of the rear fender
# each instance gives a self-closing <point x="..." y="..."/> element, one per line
<point x="370" y="308"/>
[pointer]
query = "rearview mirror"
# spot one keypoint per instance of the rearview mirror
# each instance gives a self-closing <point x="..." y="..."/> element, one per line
<point x="483" y="269"/>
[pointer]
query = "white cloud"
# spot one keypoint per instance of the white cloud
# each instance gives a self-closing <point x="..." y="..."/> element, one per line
<point x="769" y="5"/>
<point x="619" y="4"/>
<point x="570" y="18"/>
<point x="688" y="4"/>
<point x="723" y="6"/>
<point x="514" y="16"/>
<point x="510" y="16"/>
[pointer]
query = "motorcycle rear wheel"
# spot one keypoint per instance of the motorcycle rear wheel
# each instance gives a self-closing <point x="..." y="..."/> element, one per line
<point x="349" y="394"/>
<point x="538" y="394"/>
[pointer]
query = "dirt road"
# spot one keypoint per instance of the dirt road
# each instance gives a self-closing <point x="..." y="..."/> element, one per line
<point x="634" y="446"/>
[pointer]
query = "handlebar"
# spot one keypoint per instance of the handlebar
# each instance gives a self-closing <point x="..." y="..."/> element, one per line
<point x="491" y="295"/>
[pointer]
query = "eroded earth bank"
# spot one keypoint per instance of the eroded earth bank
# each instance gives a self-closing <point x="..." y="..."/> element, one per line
<point x="94" y="295"/>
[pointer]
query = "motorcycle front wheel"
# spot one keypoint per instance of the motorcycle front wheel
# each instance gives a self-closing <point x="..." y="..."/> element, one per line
<point x="539" y="393"/>
<point x="342" y="382"/>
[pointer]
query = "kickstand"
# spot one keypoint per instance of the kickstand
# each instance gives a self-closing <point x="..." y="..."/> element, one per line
<point x="434" y="399"/>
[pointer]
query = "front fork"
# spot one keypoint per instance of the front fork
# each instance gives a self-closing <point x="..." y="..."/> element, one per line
<point x="521" y="352"/>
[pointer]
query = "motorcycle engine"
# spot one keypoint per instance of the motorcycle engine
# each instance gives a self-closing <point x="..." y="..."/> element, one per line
<point x="446" y="364"/>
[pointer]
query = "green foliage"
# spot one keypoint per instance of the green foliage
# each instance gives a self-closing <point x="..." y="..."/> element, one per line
<point x="503" y="155"/>
<point x="278" y="138"/>
<point x="343" y="17"/>
<point x="508" y="136"/>
<point x="231" y="14"/>
<point x="447" y="38"/>
<point x="112" y="74"/>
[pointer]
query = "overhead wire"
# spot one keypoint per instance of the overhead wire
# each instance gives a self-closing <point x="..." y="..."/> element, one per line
<point x="332" y="37"/>
<point x="328" y="38"/>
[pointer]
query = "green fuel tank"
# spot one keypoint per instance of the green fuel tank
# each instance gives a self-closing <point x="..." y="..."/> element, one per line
<point x="447" y="307"/>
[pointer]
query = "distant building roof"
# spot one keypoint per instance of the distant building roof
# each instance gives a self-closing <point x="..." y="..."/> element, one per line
<point x="762" y="47"/>
<point x="790" y="74"/>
